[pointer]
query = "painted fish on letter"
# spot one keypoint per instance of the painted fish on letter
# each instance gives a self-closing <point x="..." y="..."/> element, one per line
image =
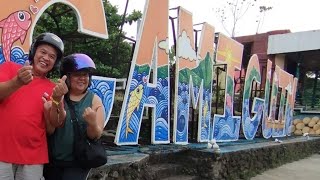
<point x="134" y="102"/>
<point x="14" y="27"/>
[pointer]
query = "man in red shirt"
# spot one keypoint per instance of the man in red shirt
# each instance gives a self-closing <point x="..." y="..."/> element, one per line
<point x="23" y="90"/>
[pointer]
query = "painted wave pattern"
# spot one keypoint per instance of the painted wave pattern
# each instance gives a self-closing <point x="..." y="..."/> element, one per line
<point x="196" y="93"/>
<point x="1" y="56"/>
<point x="279" y="132"/>
<point x="276" y="132"/>
<point x="267" y="132"/>
<point x="250" y="126"/>
<point x="282" y="131"/>
<point x="17" y="56"/>
<point x="183" y="112"/>
<point x="105" y="89"/>
<point x="226" y="128"/>
<point x="273" y="112"/>
<point x="136" y="116"/>
<point x="205" y="126"/>
<point x="206" y="117"/>
<point x="158" y="96"/>
<point x="282" y="115"/>
<point x="289" y="120"/>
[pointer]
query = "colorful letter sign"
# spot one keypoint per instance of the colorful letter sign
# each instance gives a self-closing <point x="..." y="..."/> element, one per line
<point x="150" y="55"/>
<point x="226" y="127"/>
<point x="193" y="79"/>
<point x="250" y="125"/>
<point x="149" y="77"/>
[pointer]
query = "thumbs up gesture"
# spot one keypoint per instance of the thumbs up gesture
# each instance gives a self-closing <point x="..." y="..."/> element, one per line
<point x="90" y="115"/>
<point x="24" y="74"/>
<point x="60" y="89"/>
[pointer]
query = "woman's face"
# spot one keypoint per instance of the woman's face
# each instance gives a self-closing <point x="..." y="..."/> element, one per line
<point x="79" y="81"/>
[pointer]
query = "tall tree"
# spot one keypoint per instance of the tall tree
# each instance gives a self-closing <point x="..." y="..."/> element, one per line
<point x="234" y="10"/>
<point x="260" y="19"/>
<point x="112" y="56"/>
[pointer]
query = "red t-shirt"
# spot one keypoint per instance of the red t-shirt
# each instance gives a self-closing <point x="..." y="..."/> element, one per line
<point x="22" y="125"/>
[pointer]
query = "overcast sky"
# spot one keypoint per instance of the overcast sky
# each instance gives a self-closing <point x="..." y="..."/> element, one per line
<point x="295" y="15"/>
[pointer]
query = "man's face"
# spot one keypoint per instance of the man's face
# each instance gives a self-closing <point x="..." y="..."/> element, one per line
<point x="44" y="59"/>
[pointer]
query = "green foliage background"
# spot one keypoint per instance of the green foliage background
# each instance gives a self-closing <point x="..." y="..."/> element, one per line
<point x="112" y="56"/>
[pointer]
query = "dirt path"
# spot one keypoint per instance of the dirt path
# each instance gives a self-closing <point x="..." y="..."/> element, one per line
<point x="308" y="169"/>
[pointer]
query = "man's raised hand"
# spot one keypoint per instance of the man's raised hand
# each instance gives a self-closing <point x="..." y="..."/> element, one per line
<point x="24" y="75"/>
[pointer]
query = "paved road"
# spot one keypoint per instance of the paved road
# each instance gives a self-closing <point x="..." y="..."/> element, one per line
<point x="305" y="169"/>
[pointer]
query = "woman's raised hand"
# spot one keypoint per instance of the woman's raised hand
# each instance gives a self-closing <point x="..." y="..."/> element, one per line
<point x="60" y="89"/>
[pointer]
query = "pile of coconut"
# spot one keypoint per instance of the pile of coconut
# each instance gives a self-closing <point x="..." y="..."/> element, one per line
<point x="306" y="125"/>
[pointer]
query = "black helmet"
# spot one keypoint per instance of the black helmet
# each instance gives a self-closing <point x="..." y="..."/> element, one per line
<point x="47" y="38"/>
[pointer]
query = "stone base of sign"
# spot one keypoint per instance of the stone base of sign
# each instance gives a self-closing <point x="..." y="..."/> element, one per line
<point x="236" y="160"/>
